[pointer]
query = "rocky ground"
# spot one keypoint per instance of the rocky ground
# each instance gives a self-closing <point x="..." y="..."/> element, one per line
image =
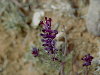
<point x="14" y="46"/>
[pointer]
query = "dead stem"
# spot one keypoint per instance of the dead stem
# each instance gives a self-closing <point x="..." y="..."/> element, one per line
<point x="66" y="44"/>
<point x="62" y="72"/>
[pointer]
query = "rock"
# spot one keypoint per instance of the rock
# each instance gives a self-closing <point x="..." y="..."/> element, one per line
<point x="37" y="17"/>
<point x="60" y="36"/>
<point x="93" y="18"/>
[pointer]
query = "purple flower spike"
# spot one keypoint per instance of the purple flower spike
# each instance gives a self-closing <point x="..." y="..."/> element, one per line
<point x="35" y="52"/>
<point x="87" y="60"/>
<point x="48" y="36"/>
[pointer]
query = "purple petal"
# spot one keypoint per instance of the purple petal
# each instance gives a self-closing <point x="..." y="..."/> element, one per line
<point x="35" y="52"/>
<point x="55" y="31"/>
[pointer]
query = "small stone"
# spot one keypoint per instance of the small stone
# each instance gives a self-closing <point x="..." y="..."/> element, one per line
<point x="37" y="17"/>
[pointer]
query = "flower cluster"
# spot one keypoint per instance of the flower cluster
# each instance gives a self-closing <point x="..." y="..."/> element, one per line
<point x="35" y="52"/>
<point x="48" y="36"/>
<point x="88" y="58"/>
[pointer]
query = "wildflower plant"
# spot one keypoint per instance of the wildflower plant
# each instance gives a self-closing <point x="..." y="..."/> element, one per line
<point x="87" y="62"/>
<point x="49" y="51"/>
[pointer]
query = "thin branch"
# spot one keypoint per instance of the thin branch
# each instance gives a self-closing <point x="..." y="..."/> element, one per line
<point x="66" y="44"/>
<point x="64" y="54"/>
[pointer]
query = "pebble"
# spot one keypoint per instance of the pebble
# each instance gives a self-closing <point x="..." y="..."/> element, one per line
<point x="37" y="18"/>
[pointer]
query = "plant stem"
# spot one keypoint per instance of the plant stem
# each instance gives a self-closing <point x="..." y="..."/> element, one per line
<point x="66" y="44"/>
<point x="61" y="72"/>
<point x="86" y="70"/>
